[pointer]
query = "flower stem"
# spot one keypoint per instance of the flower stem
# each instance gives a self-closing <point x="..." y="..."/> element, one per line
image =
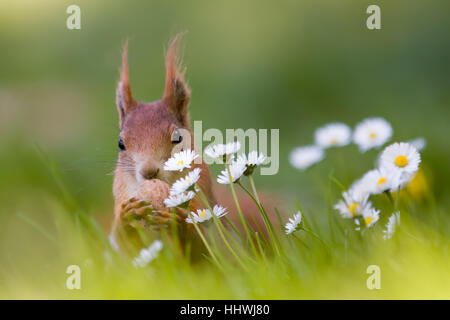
<point x="391" y="199"/>
<point x="263" y="211"/>
<point x="219" y="227"/>
<point x="205" y="201"/>
<point x="233" y="227"/>
<point x="204" y="240"/>
<point x="244" y="223"/>
<point x="397" y="198"/>
<point x="252" y="183"/>
<point x="266" y="220"/>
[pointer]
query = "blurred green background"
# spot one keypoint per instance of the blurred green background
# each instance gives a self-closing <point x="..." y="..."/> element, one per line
<point x="291" y="65"/>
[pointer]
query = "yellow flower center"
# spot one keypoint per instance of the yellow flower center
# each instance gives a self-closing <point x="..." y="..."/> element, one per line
<point x="334" y="142"/>
<point x="202" y="214"/>
<point x="180" y="163"/>
<point x="381" y="180"/>
<point x="401" y="161"/>
<point x="372" y="135"/>
<point x="368" y="220"/>
<point x="352" y="208"/>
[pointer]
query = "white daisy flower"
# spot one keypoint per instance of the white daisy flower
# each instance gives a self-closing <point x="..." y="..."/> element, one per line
<point x="219" y="211"/>
<point x="220" y="150"/>
<point x="391" y="226"/>
<point x="379" y="180"/>
<point x="180" y="160"/>
<point x="201" y="216"/>
<point x="185" y="183"/>
<point x="251" y="161"/>
<point x="334" y="134"/>
<point x="402" y="157"/>
<point x="146" y="255"/>
<point x="293" y="223"/>
<point x="370" y="216"/>
<point x="372" y="133"/>
<point x="205" y="214"/>
<point x="418" y="143"/>
<point x="179" y="199"/>
<point x="304" y="157"/>
<point x="237" y="169"/>
<point x="353" y="205"/>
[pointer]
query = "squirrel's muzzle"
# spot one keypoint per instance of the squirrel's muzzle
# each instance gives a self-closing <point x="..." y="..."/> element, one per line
<point x="149" y="173"/>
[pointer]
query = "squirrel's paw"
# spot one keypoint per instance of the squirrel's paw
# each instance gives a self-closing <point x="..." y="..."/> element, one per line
<point x="140" y="213"/>
<point x="166" y="218"/>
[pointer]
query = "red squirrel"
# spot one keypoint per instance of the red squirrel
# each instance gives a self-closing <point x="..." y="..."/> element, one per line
<point x="148" y="133"/>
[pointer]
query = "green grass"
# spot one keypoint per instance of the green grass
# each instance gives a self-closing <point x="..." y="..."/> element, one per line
<point x="326" y="259"/>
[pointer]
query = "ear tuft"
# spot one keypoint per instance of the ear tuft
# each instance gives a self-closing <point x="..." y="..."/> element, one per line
<point x="124" y="99"/>
<point x="176" y="92"/>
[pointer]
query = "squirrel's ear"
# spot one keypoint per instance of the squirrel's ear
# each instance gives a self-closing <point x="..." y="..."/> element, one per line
<point x="176" y="92"/>
<point x="124" y="99"/>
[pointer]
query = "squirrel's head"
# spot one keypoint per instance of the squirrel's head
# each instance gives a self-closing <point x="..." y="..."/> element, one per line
<point x="151" y="132"/>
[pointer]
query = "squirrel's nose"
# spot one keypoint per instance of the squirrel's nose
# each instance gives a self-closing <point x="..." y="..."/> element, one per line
<point x="149" y="174"/>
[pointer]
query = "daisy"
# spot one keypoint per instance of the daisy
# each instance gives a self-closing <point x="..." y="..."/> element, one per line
<point x="237" y="169"/>
<point x="304" y="157"/>
<point x="354" y="204"/>
<point x="333" y="135"/>
<point x="402" y="157"/>
<point x="293" y="223"/>
<point x="251" y="161"/>
<point x="148" y="254"/>
<point x="391" y="226"/>
<point x="221" y="150"/>
<point x="180" y="160"/>
<point x="178" y="200"/>
<point x="418" y="143"/>
<point x="219" y="211"/>
<point x="372" y="133"/>
<point x="370" y="216"/>
<point x="205" y="214"/>
<point x="185" y="183"/>
<point x="379" y="180"/>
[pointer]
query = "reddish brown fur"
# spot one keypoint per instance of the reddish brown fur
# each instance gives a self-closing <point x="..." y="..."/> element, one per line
<point x="176" y="93"/>
<point x="146" y="130"/>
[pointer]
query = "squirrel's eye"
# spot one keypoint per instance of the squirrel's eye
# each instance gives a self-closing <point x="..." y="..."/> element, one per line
<point x="176" y="136"/>
<point x="121" y="144"/>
